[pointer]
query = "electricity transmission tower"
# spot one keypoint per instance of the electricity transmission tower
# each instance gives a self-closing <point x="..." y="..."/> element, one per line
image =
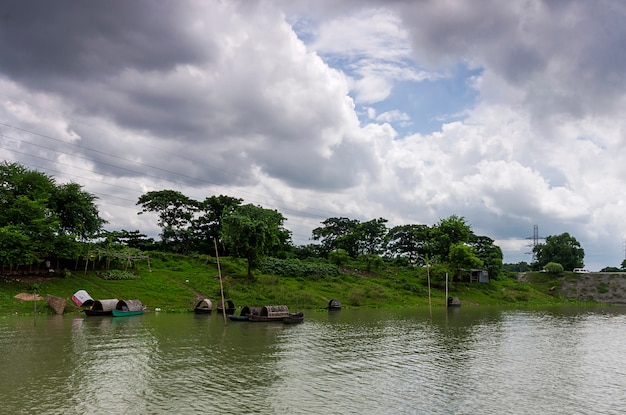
<point x="535" y="238"/>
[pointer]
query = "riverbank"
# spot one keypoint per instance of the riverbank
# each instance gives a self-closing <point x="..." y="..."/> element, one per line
<point x="176" y="283"/>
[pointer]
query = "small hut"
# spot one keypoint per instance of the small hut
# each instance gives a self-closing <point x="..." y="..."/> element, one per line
<point x="204" y="306"/>
<point x="230" y="307"/>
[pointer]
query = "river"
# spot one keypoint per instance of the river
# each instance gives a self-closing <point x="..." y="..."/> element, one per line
<point x="469" y="360"/>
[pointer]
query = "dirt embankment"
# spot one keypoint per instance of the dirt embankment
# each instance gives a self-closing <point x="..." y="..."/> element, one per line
<point x="603" y="287"/>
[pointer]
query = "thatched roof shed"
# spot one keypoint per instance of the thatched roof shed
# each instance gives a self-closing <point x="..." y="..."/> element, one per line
<point x="104" y="305"/>
<point x="129" y="305"/>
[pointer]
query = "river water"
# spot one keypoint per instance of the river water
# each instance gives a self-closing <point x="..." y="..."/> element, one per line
<point x="470" y="360"/>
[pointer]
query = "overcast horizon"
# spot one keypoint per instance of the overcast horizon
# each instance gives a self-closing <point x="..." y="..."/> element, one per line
<point x="509" y="114"/>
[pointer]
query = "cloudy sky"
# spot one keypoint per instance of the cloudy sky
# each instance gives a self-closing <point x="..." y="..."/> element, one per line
<point x="508" y="113"/>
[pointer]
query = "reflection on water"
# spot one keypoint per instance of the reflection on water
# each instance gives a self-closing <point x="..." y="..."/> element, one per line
<point x="466" y="361"/>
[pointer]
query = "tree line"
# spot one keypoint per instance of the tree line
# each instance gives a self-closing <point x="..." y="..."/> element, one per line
<point x="42" y="219"/>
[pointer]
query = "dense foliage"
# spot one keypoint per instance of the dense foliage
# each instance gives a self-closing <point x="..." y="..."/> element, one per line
<point x="562" y="249"/>
<point x="40" y="220"/>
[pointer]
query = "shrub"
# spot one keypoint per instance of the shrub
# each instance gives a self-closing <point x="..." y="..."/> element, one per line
<point x="554" y="268"/>
<point x="297" y="268"/>
<point x="116" y="274"/>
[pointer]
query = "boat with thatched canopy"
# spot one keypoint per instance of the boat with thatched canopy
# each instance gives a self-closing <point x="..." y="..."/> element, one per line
<point x="334" y="305"/>
<point x="270" y="313"/>
<point x="102" y="307"/>
<point x="128" y="308"/>
<point x="204" y="306"/>
<point x="230" y="307"/>
<point x="245" y="313"/>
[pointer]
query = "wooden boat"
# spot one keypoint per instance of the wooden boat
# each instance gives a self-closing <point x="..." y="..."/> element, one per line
<point x="454" y="302"/>
<point x="82" y="298"/>
<point x="294" y="318"/>
<point x="334" y="304"/>
<point x="128" y="308"/>
<point x="245" y="313"/>
<point x="102" y="307"/>
<point x="204" y="306"/>
<point x="270" y="313"/>
<point x="230" y="307"/>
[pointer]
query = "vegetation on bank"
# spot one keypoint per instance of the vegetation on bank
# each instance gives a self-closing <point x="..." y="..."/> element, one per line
<point x="365" y="264"/>
<point x="174" y="283"/>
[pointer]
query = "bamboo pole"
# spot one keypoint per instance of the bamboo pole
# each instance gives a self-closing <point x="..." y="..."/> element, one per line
<point x="219" y="273"/>
<point x="430" y="305"/>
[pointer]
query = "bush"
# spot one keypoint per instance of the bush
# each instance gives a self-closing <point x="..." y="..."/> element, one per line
<point x="554" y="268"/>
<point x="116" y="274"/>
<point x="297" y="268"/>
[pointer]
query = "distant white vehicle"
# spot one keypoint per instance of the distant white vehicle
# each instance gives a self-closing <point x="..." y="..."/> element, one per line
<point x="580" y="270"/>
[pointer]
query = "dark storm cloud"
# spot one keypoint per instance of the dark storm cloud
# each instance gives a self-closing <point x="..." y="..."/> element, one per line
<point x="49" y="41"/>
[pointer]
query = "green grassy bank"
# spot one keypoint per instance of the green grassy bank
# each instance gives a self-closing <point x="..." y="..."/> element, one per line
<point x="175" y="283"/>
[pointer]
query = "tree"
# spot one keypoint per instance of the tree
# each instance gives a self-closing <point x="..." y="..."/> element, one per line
<point x="371" y="236"/>
<point x="208" y="226"/>
<point x="253" y="232"/>
<point x="489" y="253"/>
<point x="408" y="241"/>
<point x="562" y="249"/>
<point x="371" y="239"/>
<point x="76" y="211"/>
<point x="462" y="257"/>
<point x="447" y="232"/>
<point x="40" y="219"/>
<point x="176" y="212"/>
<point x="338" y="233"/>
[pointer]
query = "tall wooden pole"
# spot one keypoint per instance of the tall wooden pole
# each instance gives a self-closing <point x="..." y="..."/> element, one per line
<point x="430" y="305"/>
<point x="219" y="273"/>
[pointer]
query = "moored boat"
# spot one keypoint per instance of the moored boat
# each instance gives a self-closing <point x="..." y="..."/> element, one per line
<point x="229" y="309"/>
<point x="334" y="305"/>
<point x="204" y="306"/>
<point x="294" y="318"/>
<point x="128" y="308"/>
<point x="454" y="302"/>
<point x="270" y="313"/>
<point x="245" y="313"/>
<point x="102" y="307"/>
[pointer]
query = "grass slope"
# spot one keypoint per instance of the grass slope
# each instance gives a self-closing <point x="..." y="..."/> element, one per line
<point x="175" y="283"/>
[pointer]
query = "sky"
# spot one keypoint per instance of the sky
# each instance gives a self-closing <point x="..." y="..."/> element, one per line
<point x="509" y="114"/>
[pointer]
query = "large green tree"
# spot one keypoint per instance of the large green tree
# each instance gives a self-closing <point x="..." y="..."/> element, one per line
<point x="208" y="225"/>
<point x="253" y="232"/>
<point x="176" y="214"/>
<point x="563" y="249"/>
<point x="39" y="218"/>
<point x="338" y="233"/>
<point x="446" y="233"/>
<point x="408" y="241"/>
